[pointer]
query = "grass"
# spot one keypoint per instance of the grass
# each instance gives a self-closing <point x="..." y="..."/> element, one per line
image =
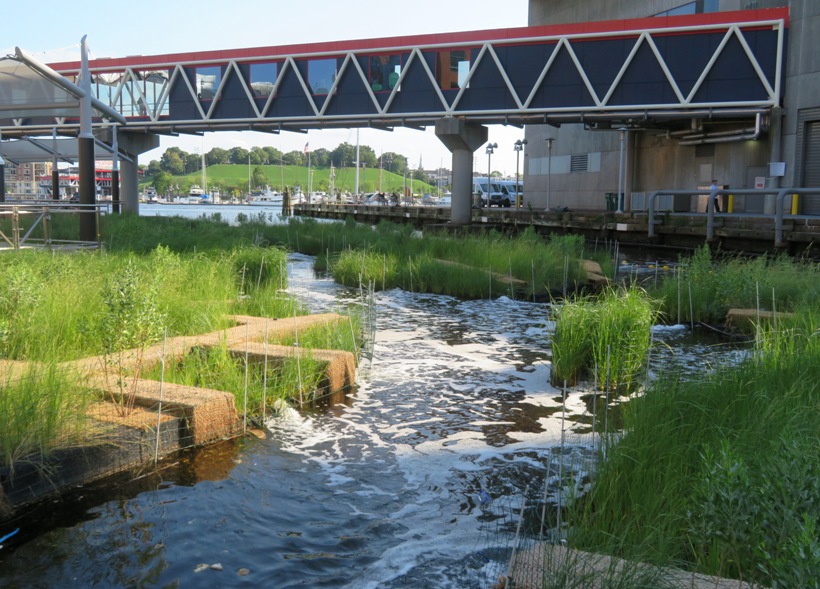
<point x="42" y="409"/>
<point x="50" y="308"/>
<point x="704" y="289"/>
<point x="225" y="176"/>
<point x="720" y="475"/>
<point x="462" y="265"/>
<point x="257" y="387"/>
<point x="608" y="336"/>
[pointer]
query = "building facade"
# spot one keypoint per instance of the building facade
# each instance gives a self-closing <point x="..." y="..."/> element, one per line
<point x="575" y="166"/>
<point x="22" y="178"/>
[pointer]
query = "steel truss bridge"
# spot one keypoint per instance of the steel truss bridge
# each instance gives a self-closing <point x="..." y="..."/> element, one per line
<point x="641" y="73"/>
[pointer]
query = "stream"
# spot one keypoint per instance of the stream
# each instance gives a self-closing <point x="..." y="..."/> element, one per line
<point x="414" y="481"/>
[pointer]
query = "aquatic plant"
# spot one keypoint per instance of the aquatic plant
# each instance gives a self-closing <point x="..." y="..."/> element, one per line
<point x="41" y="408"/>
<point x="608" y="335"/>
<point x="721" y="473"/>
<point x="258" y="385"/>
<point x="704" y="288"/>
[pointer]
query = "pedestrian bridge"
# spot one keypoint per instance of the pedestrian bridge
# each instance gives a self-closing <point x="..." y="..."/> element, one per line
<point x="633" y="72"/>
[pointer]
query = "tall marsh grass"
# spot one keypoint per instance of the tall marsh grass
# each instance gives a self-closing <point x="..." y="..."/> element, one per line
<point x="607" y="337"/>
<point x="720" y="475"/>
<point x="42" y="408"/>
<point x="704" y="289"/>
<point x="51" y="306"/>
<point x="463" y="265"/>
<point x="256" y="386"/>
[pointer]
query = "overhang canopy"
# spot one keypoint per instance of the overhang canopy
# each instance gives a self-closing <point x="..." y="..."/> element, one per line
<point x="32" y="90"/>
<point x="39" y="149"/>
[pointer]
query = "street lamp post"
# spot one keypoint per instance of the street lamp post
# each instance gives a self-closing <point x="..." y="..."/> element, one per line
<point x="519" y="146"/>
<point x="490" y="149"/>
<point x="623" y="131"/>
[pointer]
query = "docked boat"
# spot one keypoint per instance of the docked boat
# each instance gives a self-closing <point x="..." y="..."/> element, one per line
<point x="265" y="197"/>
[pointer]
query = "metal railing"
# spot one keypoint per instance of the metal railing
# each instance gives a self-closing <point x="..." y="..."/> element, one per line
<point x="26" y="218"/>
<point x="779" y="196"/>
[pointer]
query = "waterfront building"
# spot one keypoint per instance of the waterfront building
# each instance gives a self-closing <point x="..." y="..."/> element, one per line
<point x="576" y="165"/>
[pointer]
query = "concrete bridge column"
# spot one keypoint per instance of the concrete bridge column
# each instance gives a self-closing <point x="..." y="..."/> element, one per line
<point x="462" y="139"/>
<point x="132" y="144"/>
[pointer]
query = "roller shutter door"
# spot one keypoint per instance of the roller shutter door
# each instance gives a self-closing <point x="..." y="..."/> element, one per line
<point x="811" y="170"/>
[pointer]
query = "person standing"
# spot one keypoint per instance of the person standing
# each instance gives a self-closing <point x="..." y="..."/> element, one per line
<point x="713" y="196"/>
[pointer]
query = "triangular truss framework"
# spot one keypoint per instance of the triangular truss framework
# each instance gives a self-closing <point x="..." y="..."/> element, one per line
<point x="525" y="99"/>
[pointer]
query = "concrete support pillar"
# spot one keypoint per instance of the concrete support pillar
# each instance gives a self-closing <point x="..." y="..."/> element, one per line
<point x="462" y="139"/>
<point x="130" y="144"/>
<point x="88" y="189"/>
<point x="55" y="182"/>
<point x="85" y="148"/>
<point x="129" y="186"/>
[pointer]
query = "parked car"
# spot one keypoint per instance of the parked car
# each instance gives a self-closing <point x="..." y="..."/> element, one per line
<point x="427" y="200"/>
<point x="445" y="201"/>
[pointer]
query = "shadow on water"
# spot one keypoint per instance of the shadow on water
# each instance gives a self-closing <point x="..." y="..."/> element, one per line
<point x="186" y="469"/>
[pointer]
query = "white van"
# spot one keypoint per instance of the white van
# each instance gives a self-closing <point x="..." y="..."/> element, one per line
<point x="495" y="196"/>
<point x="511" y="192"/>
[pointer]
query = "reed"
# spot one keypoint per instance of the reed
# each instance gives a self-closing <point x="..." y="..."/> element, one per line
<point x="287" y="379"/>
<point x="41" y="409"/>
<point x="733" y="282"/>
<point x="51" y="304"/>
<point x="609" y="334"/>
<point x="720" y="474"/>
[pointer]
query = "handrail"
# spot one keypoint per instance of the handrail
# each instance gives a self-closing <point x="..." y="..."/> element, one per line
<point x="779" y="193"/>
<point x="779" y="211"/>
<point x="43" y="211"/>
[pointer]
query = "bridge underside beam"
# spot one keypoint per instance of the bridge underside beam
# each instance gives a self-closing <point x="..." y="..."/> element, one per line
<point x="462" y="139"/>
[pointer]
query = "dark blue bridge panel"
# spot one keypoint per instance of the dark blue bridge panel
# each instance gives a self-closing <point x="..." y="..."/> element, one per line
<point x="654" y="67"/>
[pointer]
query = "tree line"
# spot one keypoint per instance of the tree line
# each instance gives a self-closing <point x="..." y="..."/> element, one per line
<point x="177" y="162"/>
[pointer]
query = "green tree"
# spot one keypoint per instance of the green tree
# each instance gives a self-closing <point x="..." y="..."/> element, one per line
<point x="258" y="156"/>
<point x="320" y="158"/>
<point x="173" y="161"/>
<point x="153" y="169"/>
<point x="162" y="182"/>
<point x="217" y="155"/>
<point x="344" y="156"/>
<point x="273" y="155"/>
<point x="239" y="155"/>
<point x="193" y="162"/>
<point x="258" y="178"/>
<point x="294" y="158"/>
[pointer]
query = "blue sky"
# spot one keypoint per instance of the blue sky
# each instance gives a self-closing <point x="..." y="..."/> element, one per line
<point x="51" y="31"/>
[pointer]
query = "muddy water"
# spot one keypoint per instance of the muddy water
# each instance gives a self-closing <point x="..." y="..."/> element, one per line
<point x="390" y="489"/>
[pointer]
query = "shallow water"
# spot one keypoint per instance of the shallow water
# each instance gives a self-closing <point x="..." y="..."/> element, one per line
<point x="413" y="482"/>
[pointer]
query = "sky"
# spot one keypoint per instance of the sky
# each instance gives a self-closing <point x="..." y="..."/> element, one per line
<point x="52" y="33"/>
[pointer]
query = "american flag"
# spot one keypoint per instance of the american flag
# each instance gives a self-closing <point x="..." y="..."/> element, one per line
<point x="305" y="150"/>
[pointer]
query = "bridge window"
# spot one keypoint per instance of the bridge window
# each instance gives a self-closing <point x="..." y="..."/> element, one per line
<point x="263" y="78"/>
<point x="384" y="72"/>
<point x="207" y="82"/>
<point x="104" y="89"/>
<point x="152" y="83"/>
<point x="453" y="67"/>
<point x="321" y="74"/>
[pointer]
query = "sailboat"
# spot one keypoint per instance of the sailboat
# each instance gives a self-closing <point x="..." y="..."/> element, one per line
<point x="197" y="194"/>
